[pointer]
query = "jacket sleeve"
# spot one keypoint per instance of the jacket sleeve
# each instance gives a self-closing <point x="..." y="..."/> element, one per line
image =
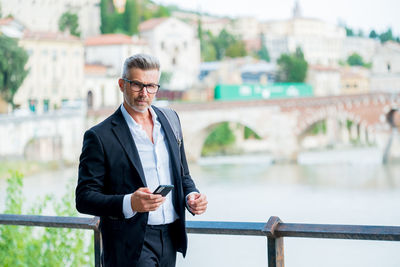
<point x="90" y="194"/>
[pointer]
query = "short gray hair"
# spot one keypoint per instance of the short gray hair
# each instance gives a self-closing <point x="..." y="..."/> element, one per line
<point x="140" y="61"/>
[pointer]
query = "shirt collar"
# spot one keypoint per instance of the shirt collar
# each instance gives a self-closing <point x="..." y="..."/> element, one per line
<point x="132" y="123"/>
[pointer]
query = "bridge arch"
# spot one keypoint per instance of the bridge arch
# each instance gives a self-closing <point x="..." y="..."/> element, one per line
<point x="198" y="138"/>
<point x="332" y="127"/>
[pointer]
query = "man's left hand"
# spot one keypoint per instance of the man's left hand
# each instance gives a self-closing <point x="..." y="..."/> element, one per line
<point x="197" y="203"/>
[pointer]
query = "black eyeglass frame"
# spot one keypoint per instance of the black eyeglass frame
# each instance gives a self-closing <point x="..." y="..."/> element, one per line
<point x="142" y="85"/>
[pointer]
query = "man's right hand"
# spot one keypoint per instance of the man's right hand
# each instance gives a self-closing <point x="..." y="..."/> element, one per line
<point x="143" y="200"/>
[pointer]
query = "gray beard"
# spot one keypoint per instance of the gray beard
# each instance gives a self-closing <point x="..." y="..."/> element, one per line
<point x="136" y="109"/>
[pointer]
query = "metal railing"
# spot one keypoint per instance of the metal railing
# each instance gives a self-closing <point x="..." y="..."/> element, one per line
<point x="275" y="230"/>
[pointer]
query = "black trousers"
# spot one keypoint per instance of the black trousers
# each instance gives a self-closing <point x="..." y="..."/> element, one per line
<point x="158" y="248"/>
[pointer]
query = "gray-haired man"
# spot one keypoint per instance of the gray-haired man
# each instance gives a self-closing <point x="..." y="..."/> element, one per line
<point x="123" y="160"/>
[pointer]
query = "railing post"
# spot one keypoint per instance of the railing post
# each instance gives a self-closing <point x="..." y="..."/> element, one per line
<point x="97" y="242"/>
<point x="97" y="248"/>
<point x="275" y="244"/>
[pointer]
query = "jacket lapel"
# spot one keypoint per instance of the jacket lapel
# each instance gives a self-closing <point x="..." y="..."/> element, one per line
<point x="121" y="131"/>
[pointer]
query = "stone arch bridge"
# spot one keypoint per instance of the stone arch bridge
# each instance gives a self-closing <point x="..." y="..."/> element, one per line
<point x="282" y="124"/>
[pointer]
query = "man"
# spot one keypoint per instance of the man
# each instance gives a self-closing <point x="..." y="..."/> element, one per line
<point x="123" y="160"/>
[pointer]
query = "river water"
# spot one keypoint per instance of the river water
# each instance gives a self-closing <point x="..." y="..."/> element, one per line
<point x="365" y="194"/>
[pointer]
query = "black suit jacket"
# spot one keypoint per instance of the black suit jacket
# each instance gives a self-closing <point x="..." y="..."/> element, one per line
<point x="109" y="168"/>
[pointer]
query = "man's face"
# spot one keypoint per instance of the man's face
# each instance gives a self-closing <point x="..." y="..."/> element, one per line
<point x="141" y="100"/>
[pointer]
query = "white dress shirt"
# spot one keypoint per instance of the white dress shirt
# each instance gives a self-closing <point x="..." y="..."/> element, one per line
<point x="156" y="166"/>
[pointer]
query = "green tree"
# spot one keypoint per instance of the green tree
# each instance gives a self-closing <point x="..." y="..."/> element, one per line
<point x="386" y="36"/>
<point x="165" y="78"/>
<point x="263" y="52"/>
<point x="221" y="139"/>
<point x="208" y="52"/>
<point x="12" y="68"/>
<point x="21" y="246"/>
<point x="349" y="31"/>
<point x="292" y="67"/>
<point x="355" y="60"/>
<point x="373" y="34"/>
<point x="162" y="12"/>
<point x="104" y="25"/>
<point x="131" y="17"/>
<point x="236" y="49"/>
<point x="69" y="21"/>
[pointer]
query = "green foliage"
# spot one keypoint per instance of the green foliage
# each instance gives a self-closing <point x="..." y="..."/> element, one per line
<point x="217" y="47"/>
<point x="220" y="139"/>
<point x="131" y="17"/>
<point x="28" y="246"/>
<point x="386" y="36"/>
<point x="373" y="34"/>
<point x="208" y="52"/>
<point x="349" y="31"/>
<point x="165" y="77"/>
<point x="12" y="68"/>
<point x="250" y="134"/>
<point x="162" y="12"/>
<point x="69" y="21"/>
<point x="318" y="128"/>
<point x="355" y="60"/>
<point x="263" y="52"/>
<point x="106" y="25"/>
<point x="292" y="67"/>
<point x="128" y="21"/>
<point x="236" y="49"/>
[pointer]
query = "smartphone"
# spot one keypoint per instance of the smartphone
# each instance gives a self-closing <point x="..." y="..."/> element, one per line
<point x="163" y="190"/>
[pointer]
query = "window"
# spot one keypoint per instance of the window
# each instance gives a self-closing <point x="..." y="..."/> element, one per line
<point x="162" y="45"/>
<point x="32" y="104"/>
<point x="45" y="105"/>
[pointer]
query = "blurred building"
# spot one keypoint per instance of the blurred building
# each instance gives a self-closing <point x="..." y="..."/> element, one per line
<point x="261" y="72"/>
<point x="112" y="49"/>
<point x="101" y="87"/>
<point x="321" y="42"/>
<point x="44" y="15"/>
<point x="55" y="71"/>
<point x="386" y="68"/>
<point x="354" y="80"/>
<point x="365" y="47"/>
<point x="325" y="80"/>
<point x="176" y="45"/>
<point x="55" y="66"/>
<point x="245" y="28"/>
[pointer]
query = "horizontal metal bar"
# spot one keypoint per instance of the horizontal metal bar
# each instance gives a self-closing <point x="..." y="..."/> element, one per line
<point x="225" y="228"/>
<point x="364" y="232"/>
<point x="50" y="221"/>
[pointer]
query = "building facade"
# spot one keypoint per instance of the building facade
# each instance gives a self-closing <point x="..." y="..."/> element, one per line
<point x="112" y="49"/>
<point x="321" y="42"/>
<point x="101" y="87"/>
<point x="176" y="45"/>
<point x="386" y="68"/>
<point x="55" y="76"/>
<point x="43" y="15"/>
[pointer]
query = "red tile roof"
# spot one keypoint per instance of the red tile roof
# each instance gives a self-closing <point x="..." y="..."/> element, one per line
<point x="6" y="21"/>
<point x="150" y="24"/>
<point x="95" y="69"/>
<point x="112" y="39"/>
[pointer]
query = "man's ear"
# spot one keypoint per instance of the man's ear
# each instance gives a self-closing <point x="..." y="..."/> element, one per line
<point x="121" y="85"/>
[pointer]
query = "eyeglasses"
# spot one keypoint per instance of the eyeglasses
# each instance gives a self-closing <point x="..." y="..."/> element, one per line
<point x="137" y="86"/>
